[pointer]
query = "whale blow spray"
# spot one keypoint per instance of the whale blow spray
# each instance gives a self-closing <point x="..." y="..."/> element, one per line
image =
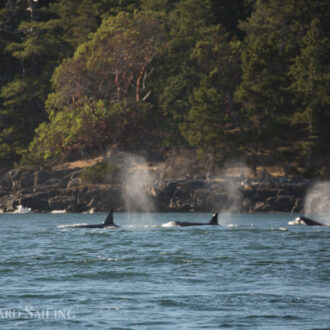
<point x="317" y="201"/>
<point x="231" y="184"/>
<point x="137" y="179"/>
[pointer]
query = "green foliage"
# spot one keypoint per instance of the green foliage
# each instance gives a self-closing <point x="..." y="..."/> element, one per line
<point x="265" y="61"/>
<point x="34" y="38"/>
<point x="112" y="65"/>
<point x="77" y="75"/>
<point x="314" y="172"/>
<point x="269" y="91"/>
<point x="177" y="74"/>
<point x="16" y="127"/>
<point x="311" y="80"/>
<point x="98" y="91"/>
<point x="157" y="5"/>
<point x="102" y="172"/>
<point x="93" y="125"/>
<point x="211" y="114"/>
<point x="206" y="120"/>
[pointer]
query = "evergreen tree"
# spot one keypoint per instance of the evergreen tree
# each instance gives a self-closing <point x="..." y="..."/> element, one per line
<point x="90" y="73"/>
<point x="311" y="84"/>
<point x="273" y="34"/>
<point x="158" y="5"/>
<point x="20" y="106"/>
<point x="229" y="13"/>
<point x="177" y="74"/>
<point x="212" y="114"/>
<point x="37" y="35"/>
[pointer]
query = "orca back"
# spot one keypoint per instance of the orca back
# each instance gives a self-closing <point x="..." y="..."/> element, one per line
<point x="109" y="219"/>
<point x="309" y="222"/>
<point x="214" y="220"/>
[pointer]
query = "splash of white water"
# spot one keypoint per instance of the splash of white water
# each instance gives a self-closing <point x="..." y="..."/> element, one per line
<point x="22" y="209"/>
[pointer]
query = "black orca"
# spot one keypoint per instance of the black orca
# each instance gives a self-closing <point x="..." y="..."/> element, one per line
<point x="212" y="222"/>
<point x="108" y="222"/>
<point x="308" y="221"/>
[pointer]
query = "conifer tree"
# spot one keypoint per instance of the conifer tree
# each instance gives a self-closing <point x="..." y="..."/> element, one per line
<point x="311" y="84"/>
<point x="212" y="114"/>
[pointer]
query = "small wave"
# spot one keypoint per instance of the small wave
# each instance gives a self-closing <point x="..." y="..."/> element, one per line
<point x="77" y="225"/>
<point x="142" y="226"/>
<point x="88" y="260"/>
<point x="169" y="224"/>
<point x="72" y="226"/>
<point x="278" y="229"/>
<point x="101" y="230"/>
<point x="58" y="211"/>
<point x="90" y="211"/>
<point x="232" y="225"/>
<point x="294" y="222"/>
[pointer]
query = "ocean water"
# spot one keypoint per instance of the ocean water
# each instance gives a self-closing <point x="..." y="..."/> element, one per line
<point x="252" y="272"/>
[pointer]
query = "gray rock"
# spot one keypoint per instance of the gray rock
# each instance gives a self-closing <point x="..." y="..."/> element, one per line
<point x="37" y="202"/>
<point x="43" y="190"/>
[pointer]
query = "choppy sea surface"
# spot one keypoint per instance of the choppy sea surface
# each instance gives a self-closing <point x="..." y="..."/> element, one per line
<point x="251" y="272"/>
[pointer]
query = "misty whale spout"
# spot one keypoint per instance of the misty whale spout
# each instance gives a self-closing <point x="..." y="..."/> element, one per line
<point x="212" y="222"/>
<point x="307" y="221"/>
<point x="108" y="222"/>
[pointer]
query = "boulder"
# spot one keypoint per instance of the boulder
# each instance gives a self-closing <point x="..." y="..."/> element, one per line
<point x="276" y="204"/>
<point x="9" y="203"/>
<point x="37" y="202"/>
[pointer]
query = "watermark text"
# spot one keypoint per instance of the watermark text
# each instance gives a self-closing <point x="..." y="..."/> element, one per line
<point x="36" y="313"/>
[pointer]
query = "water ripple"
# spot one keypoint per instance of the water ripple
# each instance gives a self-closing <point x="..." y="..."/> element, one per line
<point x="258" y="272"/>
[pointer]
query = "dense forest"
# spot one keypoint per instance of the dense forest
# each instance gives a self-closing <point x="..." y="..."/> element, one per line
<point x="227" y="78"/>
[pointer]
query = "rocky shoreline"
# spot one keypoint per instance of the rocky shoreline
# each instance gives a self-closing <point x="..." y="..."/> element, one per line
<point x="46" y="191"/>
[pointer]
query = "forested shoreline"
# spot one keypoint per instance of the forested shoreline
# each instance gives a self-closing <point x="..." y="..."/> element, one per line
<point x="244" y="79"/>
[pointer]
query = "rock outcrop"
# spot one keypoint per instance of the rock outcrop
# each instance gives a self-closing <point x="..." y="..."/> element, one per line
<point x="45" y="191"/>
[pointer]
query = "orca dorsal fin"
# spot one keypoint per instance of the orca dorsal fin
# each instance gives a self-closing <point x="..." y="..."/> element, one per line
<point x="109" y="219"/>
<point x="214" y="220"/>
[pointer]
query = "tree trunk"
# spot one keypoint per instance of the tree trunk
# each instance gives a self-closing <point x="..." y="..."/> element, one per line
<point x="139" y="80"/>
